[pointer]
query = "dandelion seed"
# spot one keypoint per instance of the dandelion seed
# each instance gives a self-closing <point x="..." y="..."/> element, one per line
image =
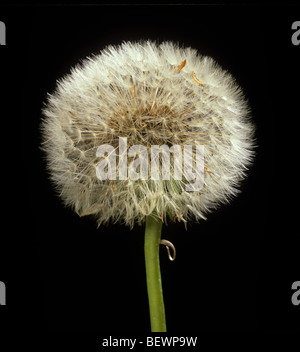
<point x="134" y="91"/>
<point x="205" y="170"/>
<point x="180" y="67"/>
<point x="196" y="80"/>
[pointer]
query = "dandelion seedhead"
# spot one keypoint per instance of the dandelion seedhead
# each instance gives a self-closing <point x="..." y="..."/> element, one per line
<point x="152" y="95"/>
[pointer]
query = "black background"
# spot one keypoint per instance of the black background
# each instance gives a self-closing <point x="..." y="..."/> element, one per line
<point x="234" y="271"/>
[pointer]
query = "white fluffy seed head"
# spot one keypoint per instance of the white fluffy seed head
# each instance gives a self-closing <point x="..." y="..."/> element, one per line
<point x="149" y="94"/>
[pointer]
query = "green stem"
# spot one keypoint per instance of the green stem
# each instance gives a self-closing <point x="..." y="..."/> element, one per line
<point x="154" y="286"/>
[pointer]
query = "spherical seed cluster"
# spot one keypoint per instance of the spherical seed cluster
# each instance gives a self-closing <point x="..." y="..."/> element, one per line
<point x="152" y="95"/>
